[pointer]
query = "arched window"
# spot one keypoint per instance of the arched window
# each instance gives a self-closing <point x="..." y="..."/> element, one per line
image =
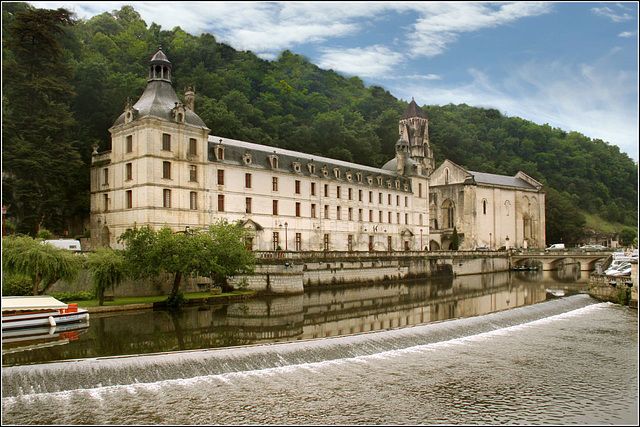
<point x="448" y="214"/>
<point x="446" y="175"/>
<point x="507" y="207"/>
<point x="484" y="206"/>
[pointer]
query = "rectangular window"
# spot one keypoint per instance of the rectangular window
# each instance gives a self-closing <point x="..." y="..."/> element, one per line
<point x="350" y="242"/>
<point x="166" y="142"/>
<point x="406" y="201"/>
<point x="380" y="216"/>
<point x="313" y="188"/>
<point x="105" y="198"/>
<point x="193" y="146"/>
<point x="247" y="180"/>
<point x="326" y="242"/>
<point x="406" y="218"/>
<point x="220" y="177"/>
<point x="350" y="214"/>
<point x="350" y="193"/>
<point x="275" y="207"/>
<point x="398" y="218"/>
<point x="379" y="198"/>
<point x="129" y="199"/>
<point x="419" y="189"/>
<point x="338" y="215"/>
<point x="166" y="170"/>
<point x="297" y="187"/>
<point x="274" y="183"/>
<point x="313" y="210"/>
<point x="390" y="218"/>
<point x="128" y="172"/>
<point x="220" y="203"/>
<point x="193" y="173"/>
<point x="370" y="215"/>
<point x="338" y="191"/>
<point x="129" y="144"/>
<point x="370" y="196"/>
<point x="166" y="198"/>
<point x="248" y="205"/>
<point x="326" y="211"/>
<point x="297" y="208"/>
<point x="193" y="200"/>
<point x="276" y="240"/>
<point x="298" y="241"/>
<point x="389" y="199"/>
<point x="359" y="214"/>
<point x="397" y="200"/>
<point x="389" y="247"/>
<point x="326" y="190"/>
<point x="105" y="176"/>
<point x="359" y="195"/>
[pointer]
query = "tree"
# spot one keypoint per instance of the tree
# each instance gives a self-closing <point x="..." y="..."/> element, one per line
<point x="42" y="263"/>
<point x="455" y="239"/>
<point x="627" y="235"/>
<point x="217" y="253"/>
<point x="106" y="268"/>
<point x="564" y="222"/>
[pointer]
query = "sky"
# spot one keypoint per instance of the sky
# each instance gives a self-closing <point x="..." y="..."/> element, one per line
<point x="572" y="65"/>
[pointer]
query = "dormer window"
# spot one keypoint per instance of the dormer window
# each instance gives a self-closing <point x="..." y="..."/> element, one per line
<point x="336" y="173"/>
<point x="312" y="168"/>
<point x="273" y="160"/>
<point x="389" y="183"/>
<point x="219" y="153"/>
<point x="325" y="172"/>
<point x="379" y="178"/>
<point x="397" y="183"/>
<point x="296" y="166"/>
<point x="359" y="176"/>
<point x="178" y="112"/>
<point x="369" y="179"/>
<point x="349" y="176"/>
<point x="406" y="187"/>
<point x="246" y="158"/>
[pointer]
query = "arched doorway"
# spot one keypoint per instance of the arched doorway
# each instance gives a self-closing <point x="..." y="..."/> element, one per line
<point x="105" y="236"/>
<point x="435" y="246"/>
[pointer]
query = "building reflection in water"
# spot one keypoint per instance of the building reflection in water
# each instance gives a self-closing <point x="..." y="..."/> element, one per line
<point x="320" y="312"/>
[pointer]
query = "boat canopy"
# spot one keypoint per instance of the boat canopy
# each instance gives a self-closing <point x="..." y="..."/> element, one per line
<point x="40" y="302"/>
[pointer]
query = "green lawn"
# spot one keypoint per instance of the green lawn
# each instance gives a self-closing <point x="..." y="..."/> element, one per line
<point x="141" y="300"/>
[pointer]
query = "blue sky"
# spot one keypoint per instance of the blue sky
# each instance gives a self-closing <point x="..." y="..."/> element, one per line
<point x="573" y="65"/>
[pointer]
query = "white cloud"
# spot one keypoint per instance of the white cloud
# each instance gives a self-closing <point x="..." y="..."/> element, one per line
<point x="611" y="14"/>
<point x="373" y="61"/>
<point x="589" y="98"/>
<point x="627" y="34"/>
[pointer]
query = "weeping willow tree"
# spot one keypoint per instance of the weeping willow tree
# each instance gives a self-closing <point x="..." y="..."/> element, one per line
<point x="42" y="263"/>
<point x="107" y="267"/>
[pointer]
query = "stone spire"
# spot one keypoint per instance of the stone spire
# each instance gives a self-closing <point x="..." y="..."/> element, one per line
<point x="414" y="128"/>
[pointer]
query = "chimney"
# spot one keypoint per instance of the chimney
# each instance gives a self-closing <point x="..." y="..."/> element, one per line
<point x="189" y="98"/>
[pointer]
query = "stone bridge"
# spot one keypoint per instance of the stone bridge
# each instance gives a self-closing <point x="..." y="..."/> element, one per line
<point x="550" y="260"/>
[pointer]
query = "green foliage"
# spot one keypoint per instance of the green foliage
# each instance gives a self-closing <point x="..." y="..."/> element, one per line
<point x="44" y="234"/>
<point x="73" y="296"/>
<point x="455" y="239"/>
<point x="627" y="235"/>
<point x="42" y="263"/>
<point x="107" y="268"/>
<point x="16" y="285"/>
<point x="564" y="222"/>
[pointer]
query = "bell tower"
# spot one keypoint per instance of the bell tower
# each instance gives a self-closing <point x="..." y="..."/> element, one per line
<point x="414" y="128"/>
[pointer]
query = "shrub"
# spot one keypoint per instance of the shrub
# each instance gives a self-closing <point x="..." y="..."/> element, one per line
<point x="16" y="285"/>
<point x="44" y="234"/>
<point x="73" y="296"/>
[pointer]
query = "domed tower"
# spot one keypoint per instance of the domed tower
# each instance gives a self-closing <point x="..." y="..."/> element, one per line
<point x="154" y="173"/>
<point x="414" y="127"/>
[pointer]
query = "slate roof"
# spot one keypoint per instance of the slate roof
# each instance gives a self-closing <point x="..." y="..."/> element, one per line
<point x="502" y="180"/>
<point x="413" y="111"/>
<point x="157" y="101"/>
<point x="235" y="150"/>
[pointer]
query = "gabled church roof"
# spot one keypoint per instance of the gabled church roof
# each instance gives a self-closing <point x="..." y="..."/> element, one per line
<point x="413" y="111"/>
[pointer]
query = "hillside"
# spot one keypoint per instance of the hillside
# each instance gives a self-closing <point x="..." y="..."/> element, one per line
<point x="63" y="92"/>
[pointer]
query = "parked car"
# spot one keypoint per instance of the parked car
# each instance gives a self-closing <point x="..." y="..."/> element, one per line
<point x="614" y="269"/>
<point x="68" y="244"/>
<point x="624" y="270"/>
<point x="556" y="247"/>
<point x="592" y="248"/>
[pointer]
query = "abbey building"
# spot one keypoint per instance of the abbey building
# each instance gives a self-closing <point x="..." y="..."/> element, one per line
<point x="164" y="168"/>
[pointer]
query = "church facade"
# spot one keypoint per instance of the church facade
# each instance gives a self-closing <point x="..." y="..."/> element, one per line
<point x="164" y="168"/>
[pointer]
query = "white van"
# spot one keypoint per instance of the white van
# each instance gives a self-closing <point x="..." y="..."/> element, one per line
<point x="556" y="247"/>
<point x="68" y="244"/>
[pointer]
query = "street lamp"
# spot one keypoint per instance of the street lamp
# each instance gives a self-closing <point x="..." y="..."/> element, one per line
<point x="489" y="240"/>
<point x="4" y="214"/>
<point x="421" y="239"/>
<point x="286" y="240"/>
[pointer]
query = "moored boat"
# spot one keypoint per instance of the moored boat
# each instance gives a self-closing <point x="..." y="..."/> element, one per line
<point x="35" y="311"/>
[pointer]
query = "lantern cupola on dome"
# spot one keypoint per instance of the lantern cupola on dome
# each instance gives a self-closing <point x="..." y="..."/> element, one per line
<point x="160" y="67"/>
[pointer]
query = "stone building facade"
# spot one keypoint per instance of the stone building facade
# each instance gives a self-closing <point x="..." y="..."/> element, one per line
<point x="165" y="169"/>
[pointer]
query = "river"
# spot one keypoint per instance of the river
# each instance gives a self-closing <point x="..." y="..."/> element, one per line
<point x="508" y="348"/>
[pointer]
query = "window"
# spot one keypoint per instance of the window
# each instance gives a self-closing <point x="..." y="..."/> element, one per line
<point x="166" y="170"/>
<point x="380" y="216"/>
<point x="247" y="180"/>
<point x="389" y="199"/>
<point x="446" y="175"/>
<point x="193" y="173"/>
<point x="275" y="162"/>
<point x="105" y="176"/>
<point x="406" y="201"/>
<point x="166" y="198"/>
<point x="398" y="217"/>
<point x="297" y="208"/>
<point x="389" y="246"/>
<point x="326" y="242"/>
<point x="248" y="205"/>
<point x="326" y="211"/>
<point x="338" y="191"/>
<point x="313" y="188"/>
<point x="326" y="190"/>
<point x="297" y="187"/>
<point x="276" y="240"/>
<point x="379" y="198"/>
<point x="419" y="189"/>
<point x="128" y="203"/>
<point x="128" y="172"/>
<point x="390" y="218"/>
<point x="313" y="210"/>
<point x="220" y="177"/>
<point x="370" y="215"/>
<point x="370" y="196"/>
<point x="484" y="207"/>
<point x="397" y="200"/>
<point x="350" y="193"/>
<point x="220" y="154"/>
<point x="350" y="242"/>
<point x="274" y="183"/>
<point x="248" y="243"/>
<point x="406" y="219"/>
<point x="106" y="202"/>
<point x="298" y="241"/>
<point x="359" y="214"/>
<point x="129" y="144"/>
<point x="448" y="214"/>
<point x="220" y="203"/>
<point x="193" y="146"/>
<point x="166" y="142"/>
<point x="275" y="207"/>
<point x="420" y="220"/>
<point x="338" y="216"/>
<point x="350" y="217"/>
<point x="193" y="200"/>
<point x="359" y="195"/>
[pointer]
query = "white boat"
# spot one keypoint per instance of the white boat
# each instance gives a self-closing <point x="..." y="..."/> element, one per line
<point x="22" y="339"/>
<point x="35" y="311"/>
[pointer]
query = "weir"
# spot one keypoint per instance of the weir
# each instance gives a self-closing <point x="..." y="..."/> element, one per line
<point x="96" y="373"/>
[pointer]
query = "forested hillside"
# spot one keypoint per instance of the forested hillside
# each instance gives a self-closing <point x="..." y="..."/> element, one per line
<point x="66" y="81"/>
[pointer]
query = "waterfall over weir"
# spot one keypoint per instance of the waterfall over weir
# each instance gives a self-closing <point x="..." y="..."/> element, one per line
<point x="125" y="370"/>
